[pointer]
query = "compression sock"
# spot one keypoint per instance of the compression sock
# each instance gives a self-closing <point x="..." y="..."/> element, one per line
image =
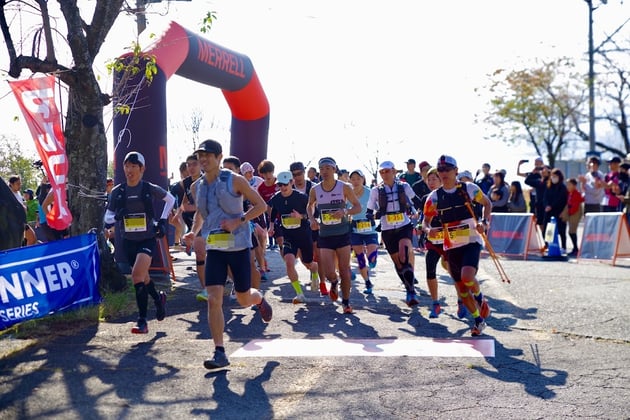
<point x="151" y="290"/>
<point x="297" y="286"/>
<point x="142" y="298"/>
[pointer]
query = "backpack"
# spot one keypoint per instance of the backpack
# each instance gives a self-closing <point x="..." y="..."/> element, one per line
<point x="120" y="200"/>
<point x="403" y="200"/>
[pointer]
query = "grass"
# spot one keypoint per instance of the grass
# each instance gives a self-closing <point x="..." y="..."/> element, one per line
<point x="112" y="306"/>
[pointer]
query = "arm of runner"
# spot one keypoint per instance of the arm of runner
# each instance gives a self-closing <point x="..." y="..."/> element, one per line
<point x="352" y="198"/>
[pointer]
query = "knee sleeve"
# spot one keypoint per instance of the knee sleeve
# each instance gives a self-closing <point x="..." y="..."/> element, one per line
<point x="372" y="256"/>
<point x="361" y="261"/>
<point x="407" y="275"/>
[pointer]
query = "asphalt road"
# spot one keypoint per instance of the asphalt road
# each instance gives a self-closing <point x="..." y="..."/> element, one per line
<point x="559" y="332"/>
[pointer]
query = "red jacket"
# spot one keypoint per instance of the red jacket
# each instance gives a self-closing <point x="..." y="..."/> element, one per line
<point x="574" y="201"/>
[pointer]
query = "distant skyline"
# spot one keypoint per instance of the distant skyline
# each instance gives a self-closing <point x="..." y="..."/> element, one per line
<point x="399" y="76"/>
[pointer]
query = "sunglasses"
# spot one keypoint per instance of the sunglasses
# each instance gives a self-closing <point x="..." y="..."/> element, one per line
<point x="384" y="171"/>
<point x="444" y="169"/>
<point x="280" y="184"/>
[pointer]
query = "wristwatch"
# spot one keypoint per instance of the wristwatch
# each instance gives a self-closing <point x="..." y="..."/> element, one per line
<point x="243" y="218"/>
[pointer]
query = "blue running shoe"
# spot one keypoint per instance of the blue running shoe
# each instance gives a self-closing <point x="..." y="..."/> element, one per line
<point x="412" y="299"/>
<point x="462" y="311"/>
<point x="435" y="310"/>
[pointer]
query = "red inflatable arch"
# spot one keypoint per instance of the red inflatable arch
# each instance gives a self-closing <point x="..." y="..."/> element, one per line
<point x="181" y="52"/>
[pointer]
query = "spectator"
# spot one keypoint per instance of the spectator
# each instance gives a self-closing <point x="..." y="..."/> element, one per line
<point x="538" y="165"/>
<point x="575" y="212"/>
<point x="592" y="186"/>
<point x="486" y="181"/>
<point x="516" y="200"/>
<point x="611" y="201"/>
<point x="499" y="193"/>
<point x="31" y="207"/>
<point x="537" y="179"/>
<point x="555" y="199"/>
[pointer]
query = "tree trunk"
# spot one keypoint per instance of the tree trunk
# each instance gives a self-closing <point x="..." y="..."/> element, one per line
<point x="86" y="148"/>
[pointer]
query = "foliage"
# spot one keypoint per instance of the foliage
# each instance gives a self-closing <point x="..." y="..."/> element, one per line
<point x="15" y="162"/>
<point x="540" y="106"/>
<point x="207" y="21"/>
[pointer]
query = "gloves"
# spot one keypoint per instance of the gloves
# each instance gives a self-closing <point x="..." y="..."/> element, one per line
<point x="160" y="228"/>
<point x="120" y="214"/>
<point x="369" y="214"/>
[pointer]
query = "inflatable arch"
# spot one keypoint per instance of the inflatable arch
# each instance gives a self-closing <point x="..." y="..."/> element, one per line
<point x="181" y="52"/>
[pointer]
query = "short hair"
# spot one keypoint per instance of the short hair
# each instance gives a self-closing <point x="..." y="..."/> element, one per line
<point x="572" y="181"/>
<point x="191" y="157"/>
<point x="594" y="159"/>
<point x="13" y="179"/>
<point x="183" y="166"/>
<point x="233" y="160"/>
<point x="266" y="166"/>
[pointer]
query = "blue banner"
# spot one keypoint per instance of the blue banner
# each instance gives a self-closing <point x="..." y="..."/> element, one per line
<point x="49" y="278"/>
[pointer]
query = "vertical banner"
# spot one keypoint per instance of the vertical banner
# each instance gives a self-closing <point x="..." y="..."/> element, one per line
<point x="48" y="278"/>
<point x="36" y="98"/>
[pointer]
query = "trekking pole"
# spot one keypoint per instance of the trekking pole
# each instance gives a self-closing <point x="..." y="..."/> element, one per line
<point x="493" y="255"/>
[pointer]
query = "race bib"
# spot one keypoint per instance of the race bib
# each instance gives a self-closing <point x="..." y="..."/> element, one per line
<point x="364" y="226"/>
<point x="220" y="240"/>
<point x="136" y="222"/>
<point x="394" y="218"/>
<point x="290" y="222"/>
<point x="458" y="235"/>
<point x="328" y="218"/>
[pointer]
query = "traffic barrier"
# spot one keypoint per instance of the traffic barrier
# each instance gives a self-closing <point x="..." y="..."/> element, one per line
<point x="162" y="261"/>
<point x="515" y="234"/>
<point x="605" y="237"/>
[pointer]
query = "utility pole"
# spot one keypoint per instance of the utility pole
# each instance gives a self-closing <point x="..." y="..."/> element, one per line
<point x="140" y="12"/>
<point x="591" y="82"/>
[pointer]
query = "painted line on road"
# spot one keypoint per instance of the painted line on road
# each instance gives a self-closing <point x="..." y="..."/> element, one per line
<point x="284" y="347"/>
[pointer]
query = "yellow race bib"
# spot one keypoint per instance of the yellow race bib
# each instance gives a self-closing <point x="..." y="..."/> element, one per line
<point x="136" y="222"/>
<point x="364" y="226"/>
<point x="394" y="218"/>
<point x="328" y="218"/>
<point x="220" y="240"/>
<point x="290" y="222"/>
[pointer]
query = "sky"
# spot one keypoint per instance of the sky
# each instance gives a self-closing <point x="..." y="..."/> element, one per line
<point x="363" y="80"/>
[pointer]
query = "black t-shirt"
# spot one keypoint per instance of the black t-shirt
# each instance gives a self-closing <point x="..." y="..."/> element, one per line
<point x="285" y="205"/>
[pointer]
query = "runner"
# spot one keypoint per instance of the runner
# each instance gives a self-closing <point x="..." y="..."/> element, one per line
<point x="364" y="238"/>
<point x="221" y="221"/>
<point x="289" y="205"/>
<point x="330" y="197"/>
<point x="393" y="200"/>
<point x="131" y="204"/>
<point x="452" y="205"/>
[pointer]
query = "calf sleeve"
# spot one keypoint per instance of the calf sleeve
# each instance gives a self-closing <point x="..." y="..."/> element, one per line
<point x="142" y="298"/>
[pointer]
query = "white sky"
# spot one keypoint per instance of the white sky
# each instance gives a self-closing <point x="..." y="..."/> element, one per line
<point x="399" y="76"/>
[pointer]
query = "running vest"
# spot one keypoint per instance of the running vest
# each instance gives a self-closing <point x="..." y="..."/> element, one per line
<point x="327" y="203"/>
<point x="216" y="201"/>
<point x="452" y="207"/>
<point x="120" y="198"/>
<point x="399" y="194"/>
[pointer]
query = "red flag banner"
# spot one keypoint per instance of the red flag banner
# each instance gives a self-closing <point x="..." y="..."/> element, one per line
<point x="36" y="98"/>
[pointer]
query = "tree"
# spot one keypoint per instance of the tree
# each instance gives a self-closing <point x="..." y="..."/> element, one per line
<point x="540" y="106"/>
<point x="86" y="142"/>
<point x="15" y="162"/>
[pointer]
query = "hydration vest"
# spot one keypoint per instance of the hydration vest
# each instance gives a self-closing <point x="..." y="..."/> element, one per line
<point x="120" y="198"/>
<point x="403" y="200"/>
<point x="452" y="207"/>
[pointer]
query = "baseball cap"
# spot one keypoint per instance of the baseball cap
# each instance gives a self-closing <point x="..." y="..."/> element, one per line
<point x="284" y="177"/>
<point x="446" y="160"/>
<point x="134" y="157"/>
<point x="424" y="164"/>
<point x="387" y="164"/>
<point x="327" y="161"/>
<point x="615" y="159"/>
<point x="296" y="166"/>
<point x="246" y="167"/>
<point x="411" y="161"/>
<point x="358" y="172"/>
<point x="210" y="146"/>
<point x="464" y="174"/>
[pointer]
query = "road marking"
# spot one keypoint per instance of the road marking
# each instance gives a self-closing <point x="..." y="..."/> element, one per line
<point x="283" y="347"/>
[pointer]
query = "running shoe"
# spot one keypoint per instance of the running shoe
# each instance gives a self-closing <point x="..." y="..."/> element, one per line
<point x="368" y="287"/>
<point x="334" y="293"/>
<point x="412" y="299"/>
<point x="218" y="361"/>
<point x="372" y="264"/>
<point x="299" y="299"/>
<point x="263" y="275"/>
<point x="478" y="328"/>
<point x="484" y="309"/>
<point x="322" y="288"/>
<point x="462" y="311"/>
<point x="265" y="310"/>
<point x="202" y="296"/>
<point x="141" y="327"/>
<point x="160" y="306"/>
<point x="435" y="310"/>
<point x="233" y="294"/>
<point x="347" y="309"/>
<point x="353" y="275"/>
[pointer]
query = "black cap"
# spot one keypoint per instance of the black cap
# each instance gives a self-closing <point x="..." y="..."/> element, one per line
<point x="210" y="146"/>
<point x="616" y="159"/>
<point x="411" y="161"/>
<point x="296" y="166"/>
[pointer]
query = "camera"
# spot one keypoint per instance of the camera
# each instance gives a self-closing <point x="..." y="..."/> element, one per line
<point x="38" y="164"/>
